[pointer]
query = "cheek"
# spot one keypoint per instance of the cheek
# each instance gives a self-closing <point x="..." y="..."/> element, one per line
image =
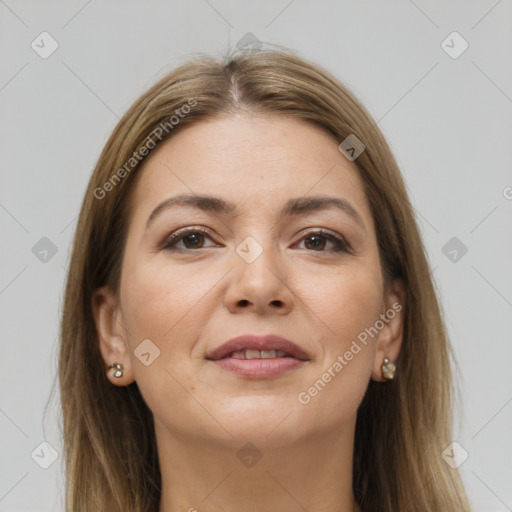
<point x="166" y="307"/>
<point x="353" y="306"/>
<point x="359" y="300"/>
<point x="345" y="302"/>
<point x="169" y="307"/>
<point x="157" y="299"/>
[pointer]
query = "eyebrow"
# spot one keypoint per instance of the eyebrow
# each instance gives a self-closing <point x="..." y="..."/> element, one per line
<point x="295" y="206"/>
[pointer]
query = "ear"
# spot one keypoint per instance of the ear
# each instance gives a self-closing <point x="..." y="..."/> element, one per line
<point x="389" y="341"/>
<point x="112" y="340"/>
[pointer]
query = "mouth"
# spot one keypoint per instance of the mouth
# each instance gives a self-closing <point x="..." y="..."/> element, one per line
<point x="258" y="354"/>
<point x="253" y="356"/>
<point x="251" y="346"/>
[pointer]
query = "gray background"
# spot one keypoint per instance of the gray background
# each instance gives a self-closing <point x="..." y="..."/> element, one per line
<point x="447" y="119"/>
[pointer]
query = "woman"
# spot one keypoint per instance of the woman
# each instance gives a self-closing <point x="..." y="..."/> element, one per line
<point x="249" y="320"/>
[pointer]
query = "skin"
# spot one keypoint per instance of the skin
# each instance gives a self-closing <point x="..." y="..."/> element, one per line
<point x="192" y="301"/>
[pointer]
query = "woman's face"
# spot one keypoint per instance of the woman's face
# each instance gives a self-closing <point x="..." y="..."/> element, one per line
<point x="251" y="270"/>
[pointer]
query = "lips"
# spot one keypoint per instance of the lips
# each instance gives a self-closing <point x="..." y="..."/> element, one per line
<point x="258" y="347"/>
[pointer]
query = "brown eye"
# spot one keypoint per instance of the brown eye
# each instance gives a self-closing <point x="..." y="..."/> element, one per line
<point x="317" y="242"/>
<point x="193" y="241"/>
<point x="192" y="238"/>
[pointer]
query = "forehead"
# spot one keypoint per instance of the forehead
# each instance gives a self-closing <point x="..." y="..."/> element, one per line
<point x="260" y="161"/>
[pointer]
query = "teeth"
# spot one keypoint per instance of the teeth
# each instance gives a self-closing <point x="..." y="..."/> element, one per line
<point x="257" y="354"/>
<point x="253" y="354"/>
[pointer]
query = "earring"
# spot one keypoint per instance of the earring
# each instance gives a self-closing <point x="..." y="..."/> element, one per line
<point x="388" y="369"/>
<point x="118" y="369"/>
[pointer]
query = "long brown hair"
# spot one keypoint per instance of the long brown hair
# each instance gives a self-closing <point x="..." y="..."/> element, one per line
<point x="402" y="427"/>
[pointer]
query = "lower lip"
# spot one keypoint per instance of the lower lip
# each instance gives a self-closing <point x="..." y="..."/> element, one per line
<point x="259" y="368"/>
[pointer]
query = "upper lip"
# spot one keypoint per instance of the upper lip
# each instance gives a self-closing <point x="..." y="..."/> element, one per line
<point x="255" y="342"/>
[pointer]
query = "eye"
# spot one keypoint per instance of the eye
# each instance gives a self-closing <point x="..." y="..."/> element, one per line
<point x="192" y="238"/>
<point x="317" y="240"/>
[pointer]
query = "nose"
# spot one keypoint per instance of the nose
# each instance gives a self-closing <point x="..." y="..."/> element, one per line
<point x="261" y="286"/>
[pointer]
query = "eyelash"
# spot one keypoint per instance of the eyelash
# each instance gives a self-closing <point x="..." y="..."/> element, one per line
<point x="340" y="244"/>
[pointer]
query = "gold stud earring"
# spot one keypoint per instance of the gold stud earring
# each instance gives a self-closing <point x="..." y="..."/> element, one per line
<point x="388" y="369"/>
<point x="118" y="369"/>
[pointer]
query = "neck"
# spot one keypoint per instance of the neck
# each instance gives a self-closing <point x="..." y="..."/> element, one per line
<point x="207" y="476"/>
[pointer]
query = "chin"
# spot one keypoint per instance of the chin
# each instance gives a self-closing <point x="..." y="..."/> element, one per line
<point x="265" y="421"/>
